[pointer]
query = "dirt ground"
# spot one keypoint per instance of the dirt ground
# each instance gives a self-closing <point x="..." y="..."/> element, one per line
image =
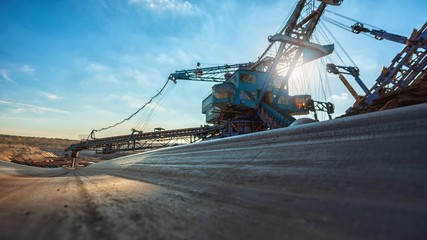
<point x="34" y="156"/>
<point x="364" y="177"/>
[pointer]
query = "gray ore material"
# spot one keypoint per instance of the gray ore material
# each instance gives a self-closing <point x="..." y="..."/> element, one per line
<point x="360" y="177"/>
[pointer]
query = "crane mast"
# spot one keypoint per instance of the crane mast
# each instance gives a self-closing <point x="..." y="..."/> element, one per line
<point x="294" y="43"/>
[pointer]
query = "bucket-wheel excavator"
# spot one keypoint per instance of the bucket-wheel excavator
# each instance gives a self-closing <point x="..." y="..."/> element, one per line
<point x="255" y="96"/>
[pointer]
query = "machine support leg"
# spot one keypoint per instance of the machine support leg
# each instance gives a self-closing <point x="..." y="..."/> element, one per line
<point x="74" y="155"/>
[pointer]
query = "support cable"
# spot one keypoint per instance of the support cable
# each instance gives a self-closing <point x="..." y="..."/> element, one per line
<point x="148" y="114"/>
<point x="339" y="44"/>
<point x="157" y="106"/>
<point x="336" y="23"/>
<point x="351" y="19"/>
<point x="343" y="26"/>
<point x="92" y="133"/>
<point x="326" y="37"/>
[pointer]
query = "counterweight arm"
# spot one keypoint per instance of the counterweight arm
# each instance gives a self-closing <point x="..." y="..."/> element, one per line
<point x="208" y="74"/>
<point x="379" y="34"/>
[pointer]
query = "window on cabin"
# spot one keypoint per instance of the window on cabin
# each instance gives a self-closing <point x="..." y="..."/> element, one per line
<point x="247" y="78"/>
<point x="232" y="80"/>
<point x="247" y="95"/>
<point x="224" y="90"/>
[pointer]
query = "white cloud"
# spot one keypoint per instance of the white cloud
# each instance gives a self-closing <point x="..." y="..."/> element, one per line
<point x="112" y="79"/>
<point x="4" y="75"/>
<point x="165" y="59"/>
<point x="35" y="109"/>
<point x="366" y="63"/>
<point x="178" y="6"/>
<point x="42" y="110"/>
<point x="132" y="102"/>
<point x="103" y="78"/>
<point x="27" y="69"/>
<point x="186" y="58"/>
<point x="99" y="73"/>
<point x="177" y="57"/>
<point x="96" y="67"/>
<point x="5" y="102"/>
<point x="136" y="75"/>
<point x="51" y="96"/>
<point x="341" y="97"/>
<point x="18" y="110"/>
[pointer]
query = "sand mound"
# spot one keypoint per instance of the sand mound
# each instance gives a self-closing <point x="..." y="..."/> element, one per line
<point x="23" y="153"/>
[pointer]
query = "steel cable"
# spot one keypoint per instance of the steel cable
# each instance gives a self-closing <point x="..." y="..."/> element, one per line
<point x="91" y="135"/>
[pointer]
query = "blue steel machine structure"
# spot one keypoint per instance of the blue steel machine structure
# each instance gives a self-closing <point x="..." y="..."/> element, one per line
<point x="403" y="83"/>
<point x="254" y="96"/>
<point x="251" y="97"/>
<point x="245" y="100"/>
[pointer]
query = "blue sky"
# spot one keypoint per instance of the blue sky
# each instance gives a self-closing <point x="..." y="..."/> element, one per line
<point x="67" y="67"/>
